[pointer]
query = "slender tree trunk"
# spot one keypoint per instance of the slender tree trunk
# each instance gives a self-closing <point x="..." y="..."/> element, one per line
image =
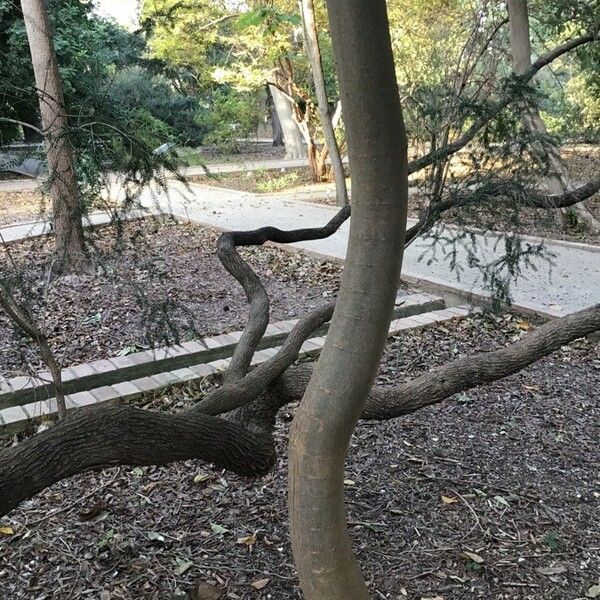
<point x="559" y="180"/>
<point x="311" y="41"/>
<point x="66" y="202"/>
<point x="292" y="138"/>
<point x="338" y="390"/>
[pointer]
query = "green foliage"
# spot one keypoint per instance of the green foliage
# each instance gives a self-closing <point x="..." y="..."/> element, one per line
<point x="277" y="183"/>
<point x="136" y="88"/>
<point x="232" y="115"/>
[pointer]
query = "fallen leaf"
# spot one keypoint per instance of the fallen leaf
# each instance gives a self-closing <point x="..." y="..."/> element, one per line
<point x="260" y="584"/>
<point x="218" y="529"/>
<point x="201" y="477"/>
<point x="449" y="500"/>
<point x="206" y="591"/>
<point x="593" y="592"/>
<point x="551" y="570"/>
<point x="474" y="557"/>
<point x="155" y="536"/>
<point x="248" y="540"/>
<point x="93" y="511"/>
<point x="182" y="565"/>
<point x="524" y="325"/>
<point x="6" y="530"/>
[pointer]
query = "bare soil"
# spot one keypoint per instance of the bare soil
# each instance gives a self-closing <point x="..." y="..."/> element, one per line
<point x="165" y="284"/>
<point x="493" y="494"/>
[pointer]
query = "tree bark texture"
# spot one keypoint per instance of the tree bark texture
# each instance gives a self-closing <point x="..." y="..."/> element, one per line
<point x="337" y="392"/>
<point x="70" y="247"/>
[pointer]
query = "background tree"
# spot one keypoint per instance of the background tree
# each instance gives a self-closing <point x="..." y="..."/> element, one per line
<point x="70" y="252"/>
<point x="313" y="51"/>
<point x="558" y="179"/>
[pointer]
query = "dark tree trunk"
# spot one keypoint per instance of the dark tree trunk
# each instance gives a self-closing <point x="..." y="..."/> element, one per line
<point x="70" y="247"/>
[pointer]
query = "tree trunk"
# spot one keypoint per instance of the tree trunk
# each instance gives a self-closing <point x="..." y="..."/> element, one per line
<point x="311" y="41"/>
<point x="338" y="390"/>
<point x="559" y="180"/>
<point x="292" y="138"/>
<point x="66" y="202"/>
<point x="277" y="131"/>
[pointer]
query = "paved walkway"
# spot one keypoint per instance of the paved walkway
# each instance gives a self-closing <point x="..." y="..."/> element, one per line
<point x="572" y="283"/>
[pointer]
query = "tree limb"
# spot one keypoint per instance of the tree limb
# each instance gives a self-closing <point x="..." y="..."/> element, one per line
<point x="255" y="291"/>
<point x="460" y="375"/>
<point x="505" y="100"/>
<point x="99" y="437"/>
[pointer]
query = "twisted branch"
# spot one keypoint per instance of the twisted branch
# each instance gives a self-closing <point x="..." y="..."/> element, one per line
<point x="255" y="292"/>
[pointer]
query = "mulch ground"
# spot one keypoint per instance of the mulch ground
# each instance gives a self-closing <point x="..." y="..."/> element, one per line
<point x="493" y="494"/>
<point x="165" y="284"/>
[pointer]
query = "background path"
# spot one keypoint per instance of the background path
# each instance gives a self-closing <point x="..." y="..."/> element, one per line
<point x="572" y="283"/>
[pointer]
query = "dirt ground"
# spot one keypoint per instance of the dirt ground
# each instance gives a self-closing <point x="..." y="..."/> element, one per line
<point x="494" y="494"/>
<point x="166" y="284"/>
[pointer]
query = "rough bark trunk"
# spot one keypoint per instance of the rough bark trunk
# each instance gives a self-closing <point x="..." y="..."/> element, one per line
<point x="558" y="180"/>
<point x="311" y="41"/>
<point x="339" y="387"/>
<point x="292" y="138"/>
<point x="66" y="202"/>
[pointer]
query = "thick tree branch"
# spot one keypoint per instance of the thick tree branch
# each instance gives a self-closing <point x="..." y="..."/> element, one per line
<point x="460" y="375"/>
<point x="255" y="291"/>
<point x="99" y="437"/>
<point x="235" y="395"/>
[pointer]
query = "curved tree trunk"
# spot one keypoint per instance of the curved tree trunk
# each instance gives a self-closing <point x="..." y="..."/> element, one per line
<point x="292" y="138"/>
<point x="311" y="41"/>
<point x="338" y="390"/>
<point x="66" y="203"/>
<point x="559" y="180"/>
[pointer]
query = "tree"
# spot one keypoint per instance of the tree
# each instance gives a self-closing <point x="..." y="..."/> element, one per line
<point x="337" y="392"/>
<point x="559" y="180"/>
<point x="231" y="426"/>
<point x="71" y="255"/>
<point x="311" y="41"/>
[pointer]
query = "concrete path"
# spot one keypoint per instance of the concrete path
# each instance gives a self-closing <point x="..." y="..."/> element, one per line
<point x="572" y="283"/>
